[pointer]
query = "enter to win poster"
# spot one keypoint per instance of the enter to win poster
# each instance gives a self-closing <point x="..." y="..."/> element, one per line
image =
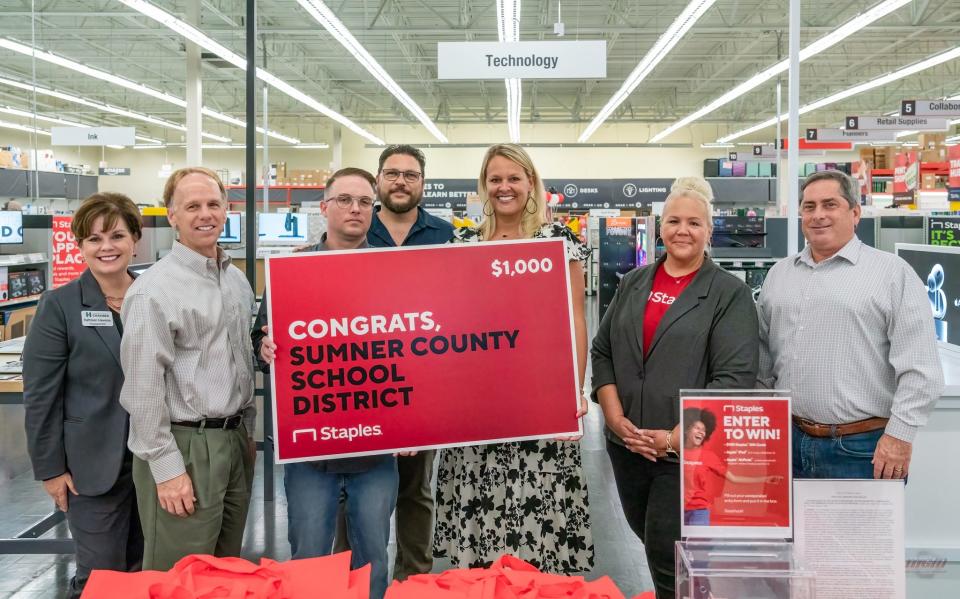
<point x="736" y="466"/>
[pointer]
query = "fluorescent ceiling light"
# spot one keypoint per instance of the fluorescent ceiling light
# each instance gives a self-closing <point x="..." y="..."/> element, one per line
<point x="319" y="11"/>
<point x="201" y="39"/>
<point x="508" y="30"/>
<point x="137" y="87"/>
<point x="7" y="125"/>
<point x="711" y="144"/>
<point x="834" y="37"/>
<point x="690" y="15"/>
<point x="29" y="115"/>
<point x="311" y="146"/>
<point x="103" y="107"/>
<point x="913" y="69"/>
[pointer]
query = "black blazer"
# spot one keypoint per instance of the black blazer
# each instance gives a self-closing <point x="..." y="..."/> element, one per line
<point x="708" y="339"/>
<point x="71" y="390"/>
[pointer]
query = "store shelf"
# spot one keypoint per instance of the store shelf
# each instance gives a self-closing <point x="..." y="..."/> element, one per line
<point x="20" y="301"/>
<point x="23" y="259"/>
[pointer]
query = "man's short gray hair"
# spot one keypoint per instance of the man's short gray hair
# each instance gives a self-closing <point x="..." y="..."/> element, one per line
<point x="849" y="188"/>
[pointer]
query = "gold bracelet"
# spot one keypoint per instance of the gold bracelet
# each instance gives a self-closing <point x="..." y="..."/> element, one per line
<point x="670" y="448"/>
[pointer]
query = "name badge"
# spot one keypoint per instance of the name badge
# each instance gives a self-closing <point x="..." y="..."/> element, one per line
<point x="96" y="318"/>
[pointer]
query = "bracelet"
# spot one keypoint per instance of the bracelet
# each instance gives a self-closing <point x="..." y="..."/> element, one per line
<point x="670" y="448"/>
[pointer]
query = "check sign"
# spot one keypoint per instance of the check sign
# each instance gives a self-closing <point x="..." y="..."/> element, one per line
<point x="382" y="350"/>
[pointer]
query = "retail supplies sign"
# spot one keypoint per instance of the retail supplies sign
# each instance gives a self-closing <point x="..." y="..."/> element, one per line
<point x="525" y="60"/>
<point x="92" y="136"/>
<point x="67" y="263"/>
<point x="736" y="458"/>
<point x="896" y="123"/>
<point x="447" y="345"/>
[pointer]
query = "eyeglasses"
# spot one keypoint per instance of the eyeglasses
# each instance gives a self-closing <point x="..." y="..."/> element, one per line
<point x="408" y="176"/>
<point x="346" y="202"/>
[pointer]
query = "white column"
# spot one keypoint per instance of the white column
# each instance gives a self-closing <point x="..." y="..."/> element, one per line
<point x="337" y="161"/>
<point x="194" y="92"/>
<point x="793" y="131"/>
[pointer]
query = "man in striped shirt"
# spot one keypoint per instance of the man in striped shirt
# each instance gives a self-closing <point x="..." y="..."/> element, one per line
<point x="188" y="383"/>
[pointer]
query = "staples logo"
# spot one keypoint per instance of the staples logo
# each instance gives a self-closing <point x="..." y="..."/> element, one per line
<point x="331" y="432"/>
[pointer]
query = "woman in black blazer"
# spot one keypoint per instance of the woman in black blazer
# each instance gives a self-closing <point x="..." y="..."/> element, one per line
<point x="681" y="323"/>
<point x="76" y="428"/>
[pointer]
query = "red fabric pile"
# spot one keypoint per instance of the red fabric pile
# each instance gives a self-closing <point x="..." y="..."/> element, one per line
<point x="508" y="578"/>
<point x="208" y="577"/>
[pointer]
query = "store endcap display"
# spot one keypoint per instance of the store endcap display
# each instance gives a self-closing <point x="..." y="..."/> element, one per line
<point x="232" y="229"/>
<point x="288" y="228"/>
<point x="11" y="227"/>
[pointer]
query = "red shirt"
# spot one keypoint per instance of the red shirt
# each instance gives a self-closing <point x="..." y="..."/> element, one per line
<point x="665" y="291"/>
<point x="703" y="475"/>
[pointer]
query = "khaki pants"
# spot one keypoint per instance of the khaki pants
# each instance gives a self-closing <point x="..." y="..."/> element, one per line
<point x="221" y="470"/>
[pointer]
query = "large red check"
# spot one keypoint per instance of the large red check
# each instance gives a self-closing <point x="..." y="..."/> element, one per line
<point x="381" y="350"/>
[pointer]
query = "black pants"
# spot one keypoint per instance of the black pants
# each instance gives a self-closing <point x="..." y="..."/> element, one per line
<point x="106" y="530"/>
<point x="650" y="495"/>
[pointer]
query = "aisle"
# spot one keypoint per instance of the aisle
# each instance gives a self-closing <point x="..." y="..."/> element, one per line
<point x="618" y="552"/>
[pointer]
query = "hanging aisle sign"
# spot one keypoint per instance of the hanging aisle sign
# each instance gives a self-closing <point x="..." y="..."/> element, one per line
<point x="895" y="123"/>
<point x="930" y="108"/>
<point x="92" y="136"/>
<point x="524" y="60"/>
<point x="850" y="135"/>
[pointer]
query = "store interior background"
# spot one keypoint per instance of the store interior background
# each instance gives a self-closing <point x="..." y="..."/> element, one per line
<point x="732" y="41"/>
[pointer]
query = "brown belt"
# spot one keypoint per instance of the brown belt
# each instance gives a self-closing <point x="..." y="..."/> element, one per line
<point x="815" y="429"/>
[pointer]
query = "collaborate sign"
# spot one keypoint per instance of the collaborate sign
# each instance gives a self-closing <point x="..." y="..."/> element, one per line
<point x="523" y="60"/>
<point x="930" y="108"/>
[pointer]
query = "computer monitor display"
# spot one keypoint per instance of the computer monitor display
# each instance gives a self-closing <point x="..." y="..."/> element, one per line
<point x="939" y="270"/>
<point x="11" y="227"/>
<point x="232" y="229"/>
<point x="282" y="228"/>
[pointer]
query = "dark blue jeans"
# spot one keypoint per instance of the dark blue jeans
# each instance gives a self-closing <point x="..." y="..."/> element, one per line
<point x="313" y="499"/>
<point x="846" y="456"/>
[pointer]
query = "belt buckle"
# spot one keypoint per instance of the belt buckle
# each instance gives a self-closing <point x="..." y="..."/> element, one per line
<point x="230" y="419"/>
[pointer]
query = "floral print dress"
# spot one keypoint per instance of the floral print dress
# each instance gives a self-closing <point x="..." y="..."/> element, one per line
<point x="526" y="498"/>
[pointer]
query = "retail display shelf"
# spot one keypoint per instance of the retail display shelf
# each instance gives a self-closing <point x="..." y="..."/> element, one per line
<point x="19" y="301"/>
<point x="22" y="259"/>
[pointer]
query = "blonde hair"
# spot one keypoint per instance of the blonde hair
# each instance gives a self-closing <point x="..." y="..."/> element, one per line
<point x="695" y="188"/>
<point x="531" y="219"/>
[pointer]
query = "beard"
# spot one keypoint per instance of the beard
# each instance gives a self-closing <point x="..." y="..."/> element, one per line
<point x="392" y="206"/>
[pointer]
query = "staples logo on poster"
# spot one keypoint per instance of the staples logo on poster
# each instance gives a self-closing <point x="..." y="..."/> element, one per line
<point x="331" y="432"/>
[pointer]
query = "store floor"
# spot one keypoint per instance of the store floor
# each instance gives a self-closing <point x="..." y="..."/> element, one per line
<point x="22" y="502"/>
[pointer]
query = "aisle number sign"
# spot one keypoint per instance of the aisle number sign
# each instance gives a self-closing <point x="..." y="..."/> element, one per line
<point x="849" y="135"/>
<point x="896" y="123"/>
<point x="945" y="108"/>
<point x="482" y="354"/>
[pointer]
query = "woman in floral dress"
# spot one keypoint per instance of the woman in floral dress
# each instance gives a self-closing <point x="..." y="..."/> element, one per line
<point x="526" y="498"/>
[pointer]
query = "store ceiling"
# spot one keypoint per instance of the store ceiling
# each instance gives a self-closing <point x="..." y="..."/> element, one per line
<point x="731" y="42"/>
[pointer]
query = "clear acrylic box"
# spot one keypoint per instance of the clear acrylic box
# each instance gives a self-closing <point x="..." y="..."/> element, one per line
<point x="740" y="570"/>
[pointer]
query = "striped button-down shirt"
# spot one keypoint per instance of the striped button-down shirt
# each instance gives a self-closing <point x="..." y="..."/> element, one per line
<point x="851" y="337"/>
<point x="186" y="352"/>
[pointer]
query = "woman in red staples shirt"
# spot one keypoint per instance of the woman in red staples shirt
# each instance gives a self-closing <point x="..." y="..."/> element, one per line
<point x="680" y="323"/>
